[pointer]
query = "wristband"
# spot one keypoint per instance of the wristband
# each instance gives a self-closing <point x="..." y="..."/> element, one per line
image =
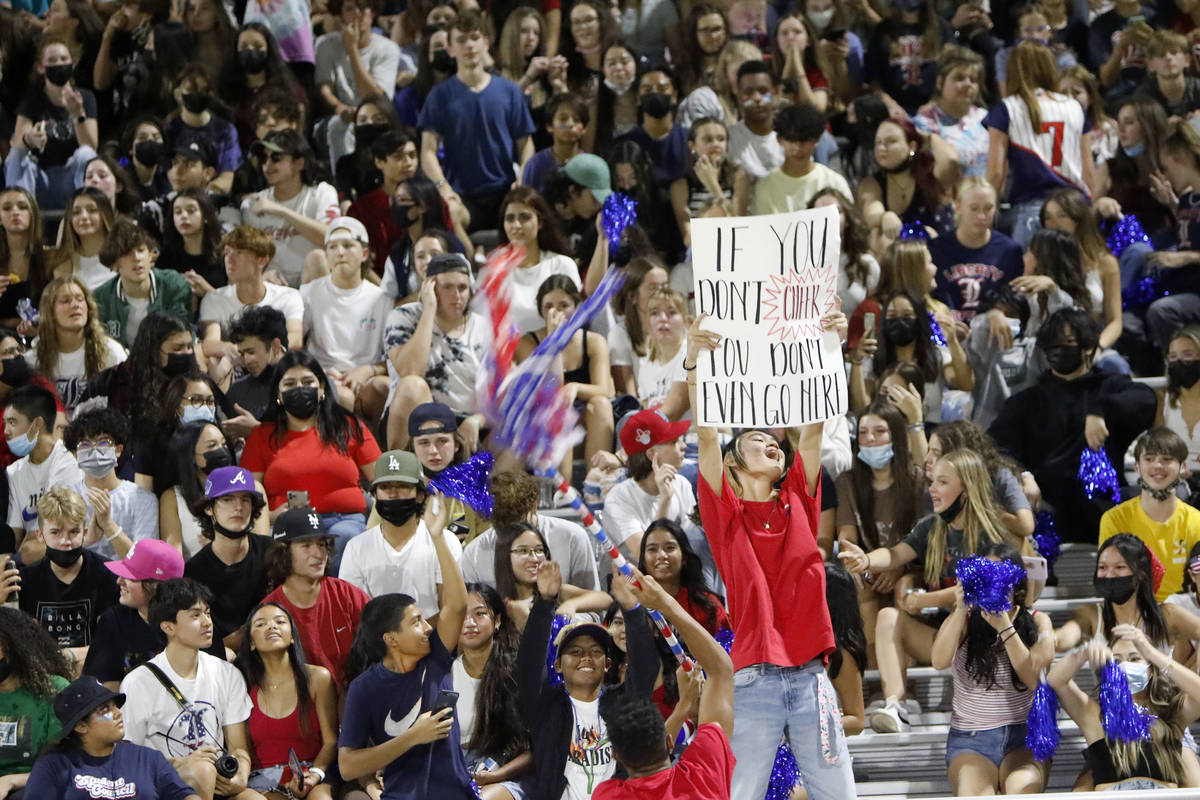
<point x="114" y="535"/>
<point x="692" y="368"/>
<point x="917" y="427"/>
<point x="320" y="773"/>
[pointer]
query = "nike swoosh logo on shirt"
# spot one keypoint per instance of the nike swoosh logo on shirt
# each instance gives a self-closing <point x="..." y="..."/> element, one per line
<point x="339" y="630"/>
<point x="394" y="727"/>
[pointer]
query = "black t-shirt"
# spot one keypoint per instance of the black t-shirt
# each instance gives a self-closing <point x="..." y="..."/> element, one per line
<point x="918" y="540"/>
<point x="68" y="611"/>
<point x="253" y="392"/>
<point x="236" y="588"/>
<point x="210" y="267"/>
<point x="1189" y="102"/>
<point x="61" y="142"/>
<point x="124" y="641"/>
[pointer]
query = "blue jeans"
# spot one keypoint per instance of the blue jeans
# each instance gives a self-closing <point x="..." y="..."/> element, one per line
<point x="343" y="528"/>
<point x="52" y="186"/>
<point x="993" y="744"/>
<point x="769" y="701"/>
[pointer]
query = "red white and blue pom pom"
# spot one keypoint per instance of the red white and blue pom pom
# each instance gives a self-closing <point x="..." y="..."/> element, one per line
<point x="988" y="584"/>
<point x="618" y="213"/>
<point x="1098" y="475"/>
<point x="1123" y="719"/>
<point x="1041" y="728"/>
<point x="469" y="482"/>
<point x="1046" y="538"/>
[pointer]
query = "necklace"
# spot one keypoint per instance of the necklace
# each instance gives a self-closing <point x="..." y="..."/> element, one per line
<point x="771" y="514"/>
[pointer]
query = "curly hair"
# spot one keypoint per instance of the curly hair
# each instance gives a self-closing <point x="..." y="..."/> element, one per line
<point x="30" y="653"/>
<point x="95" y="340"/>
<point x="279" y="555"/>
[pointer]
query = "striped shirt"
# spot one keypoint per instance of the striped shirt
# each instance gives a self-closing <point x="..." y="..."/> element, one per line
<point x="976" y="707"/>
<point x="1046" y="159"/>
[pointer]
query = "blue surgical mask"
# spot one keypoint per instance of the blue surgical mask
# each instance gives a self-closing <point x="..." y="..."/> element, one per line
<point x="1137" y="673"/>
<point x="1135" y="151"/>
<point x="876" y="457"/>
<point x="21" y="446"/>
<point x="1014" y="325"/>
<point x="197" y="414"/>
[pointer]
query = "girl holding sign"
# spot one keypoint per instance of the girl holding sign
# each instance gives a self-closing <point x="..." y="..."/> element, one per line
<point x="761" y="517"/>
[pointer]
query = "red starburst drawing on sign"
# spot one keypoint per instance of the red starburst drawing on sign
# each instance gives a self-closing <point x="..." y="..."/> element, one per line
<point x="795" y="303"/>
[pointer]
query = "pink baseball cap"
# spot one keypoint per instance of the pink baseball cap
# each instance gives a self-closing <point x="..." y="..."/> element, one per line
<point x="149" y="559"/>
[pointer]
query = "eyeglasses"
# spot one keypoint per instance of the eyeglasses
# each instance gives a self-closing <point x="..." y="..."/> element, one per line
<point x="83" y="447"/>
<point x="526" y="552"/>
<point x="199" y="400"/>
<point x="275" y="158"/>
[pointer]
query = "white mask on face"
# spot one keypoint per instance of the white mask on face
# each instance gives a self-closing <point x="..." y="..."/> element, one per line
<point x="820" y="19"/>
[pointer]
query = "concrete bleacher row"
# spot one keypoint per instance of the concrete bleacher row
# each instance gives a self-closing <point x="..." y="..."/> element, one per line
<point x="913" y="764"/>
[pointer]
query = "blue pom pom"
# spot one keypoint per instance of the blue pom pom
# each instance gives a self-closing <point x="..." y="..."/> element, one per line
<point x="1041" y="728"/>
<point x="784" y="774"/>
<point x="1141" y="293"/>
<point x="1098" y="475"/>
<point x="988" y="584"/>
<point x="1123" y="719"/>
<point x="618" y="213"/>
<point x="724" y="638"/>
<point x="1045" y="536"/>
<point x="914" y="230"/>
<point x="557" y="624"/>
<point x="469" y="482"/>
<point x="1124" y="232"/>
<point x="936" y="334"/>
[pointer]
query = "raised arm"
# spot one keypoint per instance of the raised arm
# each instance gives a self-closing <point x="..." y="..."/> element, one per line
<point x="1079" y="707"/>
<point x="1187" y="681"/>
<point x="701" y="341"/>
<point x="454" y="590"/>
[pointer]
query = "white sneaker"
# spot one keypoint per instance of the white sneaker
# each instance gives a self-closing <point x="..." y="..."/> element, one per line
<point x="892" y="718"/>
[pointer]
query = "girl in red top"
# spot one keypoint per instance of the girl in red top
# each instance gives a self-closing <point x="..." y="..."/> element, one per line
<point x="294" y="706"/>
<point x="761" y="519"/>
<point x="668" y="557"/>
<point x="309" y="443"/>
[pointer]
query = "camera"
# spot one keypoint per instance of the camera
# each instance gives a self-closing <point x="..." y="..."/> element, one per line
<point x="227" y="766"/>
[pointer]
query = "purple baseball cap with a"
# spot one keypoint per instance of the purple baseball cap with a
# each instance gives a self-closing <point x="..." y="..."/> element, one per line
<point x="227" y="480"/>
<point x="148" y="559"/>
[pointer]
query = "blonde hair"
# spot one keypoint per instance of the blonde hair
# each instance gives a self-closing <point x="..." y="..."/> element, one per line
<point x="982" y="513"/>
<point x="61" y="503"/>
<point x="95" y="340"/>
<point x="733" y="50"/>
<point x="1164" y="42"/>
<point x="1031" y="66"/>
<point x="509" y="57"/>
<point x="670" y="297"/>
<point x="1192" y="334"/>
<point x="1165" y="701"/>
<point x="903" y="269"/>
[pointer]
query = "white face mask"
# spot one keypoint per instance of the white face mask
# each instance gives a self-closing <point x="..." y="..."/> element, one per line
<point x="619" y="88"/>
<point x="1137" y="673"/>
<point x="820" y="19"/>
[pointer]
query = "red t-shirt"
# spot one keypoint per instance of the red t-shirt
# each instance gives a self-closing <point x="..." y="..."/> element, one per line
<point x="720" y="617"/>
<point x="703" y="773"/>
<point x="303" y="463"/>
<point x="374" y="211"/>
<point x="775" y="579"/>
<point x="327" y="629"/>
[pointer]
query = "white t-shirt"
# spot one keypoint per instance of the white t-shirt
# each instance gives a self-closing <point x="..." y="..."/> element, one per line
<point x="453" y="362"/>
<point x="590" y="759"/>
<point x="69" y="370"/>
<point x="344" y="327"/>
<point x="92" y="273"/>
<point x="222" y="305"/>
<point x="318" y="202"/>
<point x="28" y="481"/>
<point x="133" y="508"/>
<point x="756" y="154"/>
<point x="216" y="697"/>
<point x="630" y="509"/>
<point x="654" y="379"/>
<point x="139" y="307"/>
<point x="467" y="687"/>
<point x="374" y="566"/>
<point x="525" y="284"/>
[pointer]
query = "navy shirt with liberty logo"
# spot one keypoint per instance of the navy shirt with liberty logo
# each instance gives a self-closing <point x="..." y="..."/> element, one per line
<point x="967" y="275"/>
<point x="381" y="705"/>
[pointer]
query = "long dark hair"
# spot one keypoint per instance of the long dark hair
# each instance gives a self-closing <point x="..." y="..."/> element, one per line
<point x="251" y="664"/>
<point x="278" y="73"/>
<point x="1059" y="257"/>
<point x="983" y="641"/>
<point x="578" y="72"/>
<point x="1137" y="557"/>
<point x="927" y="190"/>
<point x="335" y="426"/>
<point x="35" y="249"/>
<point x="278" y="559"/>
<point x="506" y="582"/>
<point x="924" y="351"/>
<point x="182" y="450"/>
<point x="904" y="483"/>
<point x="499" y="729"/>
<point x="426" y="76"/>
<point x="30" y="653"/>
<point x="382" y="614"/>
<point x="425" y="196"/>
<point x="841" y="596"/>
<point x="691" y="573"/>
<point x="149" y="377"/>
<point x="210" y="226"/>
<point x="550" y="237"/>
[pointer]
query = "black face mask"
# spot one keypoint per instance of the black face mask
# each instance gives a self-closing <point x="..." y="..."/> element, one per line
<point x="178" y="364"/>
<point x="900" y="331"/>
<point x="1181" y="374"/>
<point x="196" y="102"/>
<point x="228" y="532"/>
<point x="64" y="558"/>
<point x="1064" y="358"/>
<point x="252" y="60"/>
<point x="60" y="74"/>
<point x="16" y="371"/>
<point x="365" y="135"/>
<point x="398" y="512"/>
<point x="952" y="511"/>
<point x="216" y="458"/>
<point x="1158" y="494"/>
<point x="150" y="152"/>
<point x="1115" y="590"/>
<point x="442" y="61"/>
<point x="656" y="104"/>
<point x="5" y="669"/>
<point x="301" y="401"/>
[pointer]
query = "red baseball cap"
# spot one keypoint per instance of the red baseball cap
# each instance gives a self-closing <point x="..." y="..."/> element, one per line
<point x="647" y="428"/>
<point x="149" y="558"/>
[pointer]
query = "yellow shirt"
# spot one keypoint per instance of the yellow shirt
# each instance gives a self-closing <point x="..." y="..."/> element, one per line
<point x="1170" y="541"/>
<point x="777" y="193"/>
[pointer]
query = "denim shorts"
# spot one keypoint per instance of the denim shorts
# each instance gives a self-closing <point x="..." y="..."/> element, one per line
<point x="993" y="744"/>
